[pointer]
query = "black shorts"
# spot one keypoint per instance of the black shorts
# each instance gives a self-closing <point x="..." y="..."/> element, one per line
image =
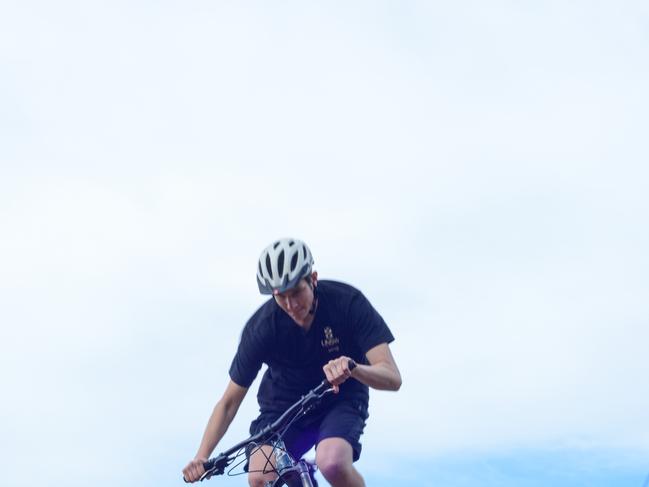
<point x="341" y="419"/>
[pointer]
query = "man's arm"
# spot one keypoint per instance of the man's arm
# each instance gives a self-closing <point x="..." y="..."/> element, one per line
<point x="222" y="415"/>
<point x="381" y="373"/>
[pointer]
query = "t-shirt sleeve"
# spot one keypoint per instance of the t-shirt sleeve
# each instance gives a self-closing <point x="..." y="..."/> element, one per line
<point x="370" y="328"/>
<point x="248" y="359"/>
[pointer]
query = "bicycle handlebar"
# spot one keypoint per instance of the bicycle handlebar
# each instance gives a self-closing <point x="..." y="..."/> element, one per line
<point x="217" y="464"/>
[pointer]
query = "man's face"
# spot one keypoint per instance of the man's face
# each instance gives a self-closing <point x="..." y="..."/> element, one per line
<point x="297" y="302"/>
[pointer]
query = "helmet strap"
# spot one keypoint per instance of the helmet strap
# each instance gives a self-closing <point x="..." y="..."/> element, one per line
<point x="314" y="305"/>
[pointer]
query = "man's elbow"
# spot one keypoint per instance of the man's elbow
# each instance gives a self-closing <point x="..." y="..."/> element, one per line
<point x="395" y="383"/>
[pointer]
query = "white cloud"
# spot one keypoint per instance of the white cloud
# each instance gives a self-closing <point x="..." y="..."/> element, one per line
<point x="480" y="180"/>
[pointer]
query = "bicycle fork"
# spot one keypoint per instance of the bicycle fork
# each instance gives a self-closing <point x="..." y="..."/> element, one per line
<point x="298" y="475"/>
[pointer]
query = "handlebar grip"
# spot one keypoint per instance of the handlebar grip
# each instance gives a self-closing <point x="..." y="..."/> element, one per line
<point x="208" y="465"/>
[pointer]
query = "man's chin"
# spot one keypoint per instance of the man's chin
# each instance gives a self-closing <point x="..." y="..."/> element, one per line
<point x="299" y="320"/>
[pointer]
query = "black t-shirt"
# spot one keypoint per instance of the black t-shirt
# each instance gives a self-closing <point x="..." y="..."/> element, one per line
<point x="345" y="323"/>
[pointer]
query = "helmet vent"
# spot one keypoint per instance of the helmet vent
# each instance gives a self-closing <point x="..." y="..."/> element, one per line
<point x="291" y="243"/>
<point x="280" y="263"/>
<point x="268" y="266"/>
<point x="276" y="244"/>
<point x="294" y="261"/>
<point x="304" y="251"/>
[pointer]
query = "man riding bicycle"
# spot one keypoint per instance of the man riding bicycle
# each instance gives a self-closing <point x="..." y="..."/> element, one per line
<point x="309" y="327"/>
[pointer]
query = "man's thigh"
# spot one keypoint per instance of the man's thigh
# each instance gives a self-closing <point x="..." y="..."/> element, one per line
<point x="346" y="421"/>
<point x="261" y="464"/>
<point x="298" y="439"/>
<point x="334" y="452"/>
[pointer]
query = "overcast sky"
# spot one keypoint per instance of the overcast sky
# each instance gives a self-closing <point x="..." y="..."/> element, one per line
<point x="477" y="169"/>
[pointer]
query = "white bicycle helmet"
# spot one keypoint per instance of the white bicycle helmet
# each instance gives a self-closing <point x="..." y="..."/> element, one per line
<point x="282" y="264"/>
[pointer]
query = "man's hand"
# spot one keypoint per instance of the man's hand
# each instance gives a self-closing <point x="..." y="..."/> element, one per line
<point x="194" y="469"/>
<point x="337" y="371"/>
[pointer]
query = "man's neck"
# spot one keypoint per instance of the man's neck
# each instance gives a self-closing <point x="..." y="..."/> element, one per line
<point x="306" y="326"/>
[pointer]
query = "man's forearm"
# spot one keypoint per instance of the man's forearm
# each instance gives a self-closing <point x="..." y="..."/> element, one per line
<point x="381" y="376"/>
<point x="218" y="424"/>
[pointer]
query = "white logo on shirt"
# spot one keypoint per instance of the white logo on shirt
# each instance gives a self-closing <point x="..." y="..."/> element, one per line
<point x="330" y="342"/>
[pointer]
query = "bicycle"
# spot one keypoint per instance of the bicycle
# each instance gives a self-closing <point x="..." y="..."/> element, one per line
<point x="290" y="472"/>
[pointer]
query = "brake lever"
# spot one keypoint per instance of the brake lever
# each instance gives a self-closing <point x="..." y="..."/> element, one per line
<point x="215" y="466"/>
<point x="209" y="473"/>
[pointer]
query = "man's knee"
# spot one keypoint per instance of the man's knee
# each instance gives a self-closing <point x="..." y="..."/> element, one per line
<point x="334" y="457"/>
<point x="256" y="479"/>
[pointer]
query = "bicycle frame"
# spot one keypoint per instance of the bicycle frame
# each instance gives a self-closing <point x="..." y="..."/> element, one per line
<point x="298" y="470"/>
